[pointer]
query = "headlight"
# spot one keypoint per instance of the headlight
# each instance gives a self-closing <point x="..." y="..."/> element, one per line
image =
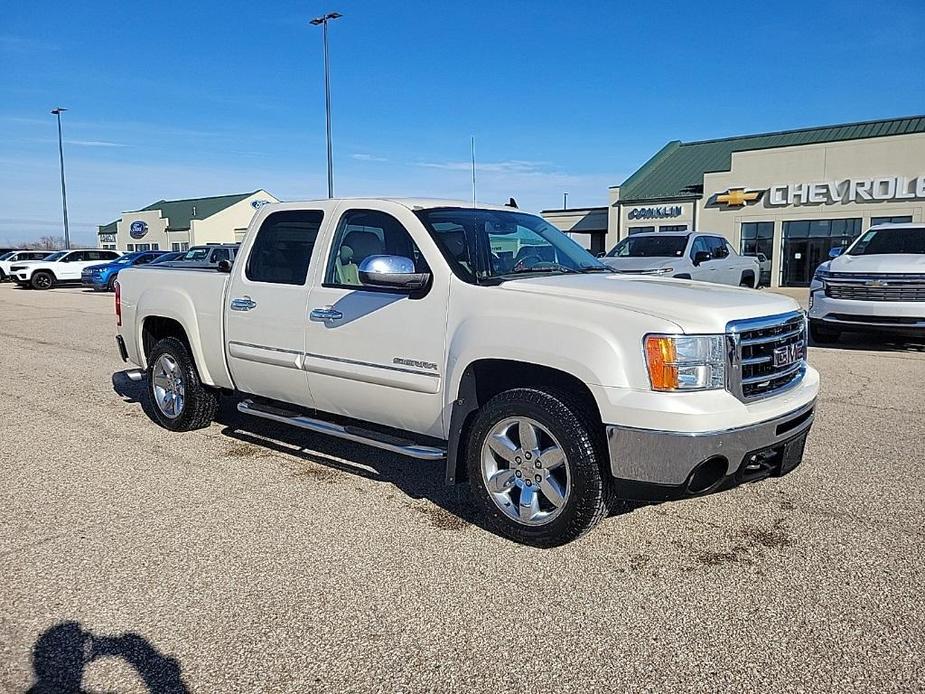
<point x="820" y="274"/>
<point x="682" y="362"/>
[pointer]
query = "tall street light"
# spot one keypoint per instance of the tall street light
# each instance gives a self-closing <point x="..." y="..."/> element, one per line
<point x="323" y="21"/>
<point x="67" y="237"/>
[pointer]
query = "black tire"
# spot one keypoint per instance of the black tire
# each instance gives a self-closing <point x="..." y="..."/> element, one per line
<point x="3" y="277"/>
<point x="580" y="440"/>
<point x="748" y="280"/>
<point x="821" y="334"/>
<point x="111" y="284"/>
<point x="200" y="402"/>
<point x="42" y="279"/>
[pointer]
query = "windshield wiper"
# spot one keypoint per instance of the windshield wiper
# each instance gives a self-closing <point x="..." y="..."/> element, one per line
<point x="546" y="268"/>
<point x="596" y="268"/>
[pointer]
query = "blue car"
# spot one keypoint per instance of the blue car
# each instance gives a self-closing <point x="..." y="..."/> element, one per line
<point x="102" y="277"/>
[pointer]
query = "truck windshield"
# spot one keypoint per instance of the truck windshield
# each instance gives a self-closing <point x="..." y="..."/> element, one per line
<point x="650" y="247"/>
<point x="883" y="241"/>
<point x="499" y="244"/>
<point x="196" y="254"/>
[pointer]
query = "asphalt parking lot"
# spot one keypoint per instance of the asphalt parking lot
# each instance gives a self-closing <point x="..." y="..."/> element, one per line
<point x="253" y="557"/>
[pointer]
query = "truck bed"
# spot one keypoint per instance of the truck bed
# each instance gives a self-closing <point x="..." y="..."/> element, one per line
<point x="194" y="297"/>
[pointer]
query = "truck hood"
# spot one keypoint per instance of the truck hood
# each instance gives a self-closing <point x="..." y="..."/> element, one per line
<point x="888" y="262"/>
<point x="695" y="307"/>
<point x="638" y="264"/>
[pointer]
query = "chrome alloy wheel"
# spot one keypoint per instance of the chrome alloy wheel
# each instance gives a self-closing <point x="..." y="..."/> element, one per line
<point x="169" y="391"/>
<point x="524" y="470"/>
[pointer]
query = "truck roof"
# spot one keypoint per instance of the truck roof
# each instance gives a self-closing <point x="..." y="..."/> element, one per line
<point x="904" y="225"/>
<point x="410" y="203"/>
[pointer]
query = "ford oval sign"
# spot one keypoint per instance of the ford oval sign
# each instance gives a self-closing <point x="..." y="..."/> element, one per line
<point x="138" y="229"/>
<point x="257" y="204"/>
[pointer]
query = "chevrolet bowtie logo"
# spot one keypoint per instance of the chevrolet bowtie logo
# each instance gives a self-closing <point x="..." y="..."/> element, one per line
<point x="736" y="197"/>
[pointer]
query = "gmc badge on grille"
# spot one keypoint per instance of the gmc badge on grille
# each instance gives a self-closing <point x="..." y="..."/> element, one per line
<point x="788" y="354"/>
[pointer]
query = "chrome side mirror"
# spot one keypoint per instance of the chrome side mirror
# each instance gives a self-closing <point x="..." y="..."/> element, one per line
<point x="391" y="271"/>
<point x="835" y="252"/>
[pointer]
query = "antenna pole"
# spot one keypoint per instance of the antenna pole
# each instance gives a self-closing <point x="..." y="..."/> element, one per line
<point x="472" y="149"/>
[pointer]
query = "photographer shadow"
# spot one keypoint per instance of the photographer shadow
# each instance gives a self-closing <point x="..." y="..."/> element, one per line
<point x="62" y="653"/>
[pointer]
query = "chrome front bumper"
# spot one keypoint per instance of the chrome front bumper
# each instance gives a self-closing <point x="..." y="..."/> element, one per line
<point x="667" y="458"/>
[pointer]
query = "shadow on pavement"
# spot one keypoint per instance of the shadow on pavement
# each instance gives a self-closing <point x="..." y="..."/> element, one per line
<point x="62" y="652"/>
<point x="875" y="342"/>
<point x="417" y="479"/>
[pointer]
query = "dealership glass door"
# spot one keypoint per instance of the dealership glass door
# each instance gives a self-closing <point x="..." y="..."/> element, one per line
<point x="807" y="244"/>
<point x="757" y="240"/>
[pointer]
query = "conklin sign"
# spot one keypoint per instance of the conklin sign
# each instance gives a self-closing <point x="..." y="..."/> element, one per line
<point x="655" y="212"/>
<point x="826" y="192"/>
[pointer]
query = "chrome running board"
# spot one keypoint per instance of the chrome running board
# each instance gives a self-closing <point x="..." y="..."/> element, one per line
<point x="350" y="433"/>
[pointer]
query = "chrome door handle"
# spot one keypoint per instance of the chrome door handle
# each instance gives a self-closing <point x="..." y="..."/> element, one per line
<point x="243" y="303"/>
<point x="325" y="313"/>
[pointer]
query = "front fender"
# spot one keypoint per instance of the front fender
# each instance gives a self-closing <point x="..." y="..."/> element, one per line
<point x="604" y="348"/>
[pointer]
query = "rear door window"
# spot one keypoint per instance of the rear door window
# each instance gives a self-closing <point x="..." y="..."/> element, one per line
<point x="283" y="248"/>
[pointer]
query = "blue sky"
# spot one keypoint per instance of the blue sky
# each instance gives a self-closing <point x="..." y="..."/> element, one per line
<point x="180" y="99"/>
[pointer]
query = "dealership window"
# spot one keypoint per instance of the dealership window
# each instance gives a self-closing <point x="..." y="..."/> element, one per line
<point x="673" y="227"/>
<point x="640" y="230"/>
<point x="757" y="240"/>
<point x="807" y="243"/>
<point x="904" y="219"/>
<point x="183" y="246"/>
<point x="129" y="247"/>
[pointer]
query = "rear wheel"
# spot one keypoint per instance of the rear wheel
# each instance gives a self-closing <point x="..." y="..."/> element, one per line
<point x="177" y="398"/>
<point x="748" y="280"/>
<point x="111" y="284"/>
<point x="534" y="466"/>
<point x="821" y="334"/>
<point x="43" y="280"/>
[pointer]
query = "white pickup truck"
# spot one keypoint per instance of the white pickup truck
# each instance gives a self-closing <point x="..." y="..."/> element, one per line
<point x="877" y="285"/>
<point x="684" y="255"/>
<point x="484" y="336"/>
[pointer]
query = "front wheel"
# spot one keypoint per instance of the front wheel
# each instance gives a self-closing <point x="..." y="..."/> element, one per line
<point x="534" y="466"/>
<point x="177" y="399"/>
<point x="43" y="280"/>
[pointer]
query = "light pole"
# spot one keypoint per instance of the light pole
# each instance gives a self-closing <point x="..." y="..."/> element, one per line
<point x="323" y="21"/>
<point x="564" y="201"/>
<point x="67" y="237"/>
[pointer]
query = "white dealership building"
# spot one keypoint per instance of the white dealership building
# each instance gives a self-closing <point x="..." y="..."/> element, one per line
<point x="789" y="195"/>
<point x="178" y="224"/>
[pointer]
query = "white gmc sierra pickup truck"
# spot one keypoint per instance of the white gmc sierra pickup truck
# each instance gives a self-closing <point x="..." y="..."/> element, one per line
<point x="484" y="336"/>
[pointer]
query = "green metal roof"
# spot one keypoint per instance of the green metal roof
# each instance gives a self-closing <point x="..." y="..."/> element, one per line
<point x="181" y="212"/>
<point x="676" y="171"/>
<point x="108" y="228"/>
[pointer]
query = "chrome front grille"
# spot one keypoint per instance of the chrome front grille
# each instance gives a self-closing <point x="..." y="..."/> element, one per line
<point x="875" y="287"/>
<point x="766" y="355"/>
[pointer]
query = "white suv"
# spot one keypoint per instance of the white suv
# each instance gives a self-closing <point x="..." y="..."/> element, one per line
<point x="877" y="285"/>
<point x="10" y="258"/>
<point x="61" y="267"/>
<point x="687" y="255"/>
